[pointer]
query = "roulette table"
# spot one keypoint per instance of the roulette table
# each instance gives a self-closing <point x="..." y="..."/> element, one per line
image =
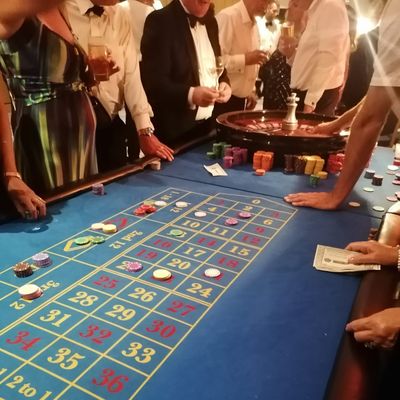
<point x="269" y="327"/>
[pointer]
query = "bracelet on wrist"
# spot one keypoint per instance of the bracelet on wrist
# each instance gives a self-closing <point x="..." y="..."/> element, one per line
<point x="398" y="258"/>
<point x="12" y="174"/>
<point x="146" y="132"/>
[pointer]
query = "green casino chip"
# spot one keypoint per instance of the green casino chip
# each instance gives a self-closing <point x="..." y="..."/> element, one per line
<point x="82" y="240"/>
<point x="98" y="239"/>
<point x="176" y="232"/>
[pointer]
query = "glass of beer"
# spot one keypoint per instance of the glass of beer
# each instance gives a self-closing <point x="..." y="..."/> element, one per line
<point x="98" y="58"/>
<point x="287" y="29"/>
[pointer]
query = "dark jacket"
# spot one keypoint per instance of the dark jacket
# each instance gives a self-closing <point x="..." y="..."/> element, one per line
<point x="169" y="68"/>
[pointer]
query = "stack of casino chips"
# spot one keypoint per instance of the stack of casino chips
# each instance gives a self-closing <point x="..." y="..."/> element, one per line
<point x="22" y="270"/>
<point x="41" y="260"/>
<point x="30" y="291"/>
<point x="308" y="165"/>
<point x="231" y="156"/>
<point x="299" y="164"/>
<point x="263" y="161"/>
<point x="377" y="180"/>
<point x="335" y="163"/>
<point x="145" y="209"/>
<point x="369" y="174"/>
<point x="98" y="189"/>
<point x="289" y="163"/>
<point x="314" y="180"/>
<point x="314" y="165"/>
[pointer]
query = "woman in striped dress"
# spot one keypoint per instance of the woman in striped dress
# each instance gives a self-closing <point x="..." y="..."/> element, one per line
<point x="53" y="123"/>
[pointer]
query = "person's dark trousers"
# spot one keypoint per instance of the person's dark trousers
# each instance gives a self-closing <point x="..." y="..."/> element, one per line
<point x="234" y="104"/>
<point x="326" y="104"/>
<point x="117" y="143"/>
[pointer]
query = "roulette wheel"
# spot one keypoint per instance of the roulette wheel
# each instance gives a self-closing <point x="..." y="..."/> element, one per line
<point x="263" y="130"/>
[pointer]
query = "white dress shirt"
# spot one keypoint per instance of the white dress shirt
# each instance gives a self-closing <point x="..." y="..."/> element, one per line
<point x="138" y="12"/>
<point x="206" y="62"/>
<point x="386" y="66"/>
<point x="321" y="56"/>
<point x="238" y="34"/>
<point x="269" y="35"/>
<point x="125" y="85"/>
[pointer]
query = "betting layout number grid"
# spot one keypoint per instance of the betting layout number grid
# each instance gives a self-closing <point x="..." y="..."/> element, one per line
<point x="100" y="331"/>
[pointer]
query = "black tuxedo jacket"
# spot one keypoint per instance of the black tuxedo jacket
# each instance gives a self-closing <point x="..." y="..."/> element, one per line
<point x="169" y="68"/>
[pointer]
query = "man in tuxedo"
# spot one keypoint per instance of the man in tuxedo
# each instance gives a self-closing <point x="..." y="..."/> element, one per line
<point x="179" y="49"/>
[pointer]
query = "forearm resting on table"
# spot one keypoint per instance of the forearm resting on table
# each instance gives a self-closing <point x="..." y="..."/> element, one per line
<point x="363" y="134"/>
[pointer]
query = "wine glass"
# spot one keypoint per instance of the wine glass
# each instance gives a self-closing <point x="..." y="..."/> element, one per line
<point x="219" y="69"/>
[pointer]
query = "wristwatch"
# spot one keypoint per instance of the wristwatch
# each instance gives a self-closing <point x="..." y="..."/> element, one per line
<point x="146" y="131"/>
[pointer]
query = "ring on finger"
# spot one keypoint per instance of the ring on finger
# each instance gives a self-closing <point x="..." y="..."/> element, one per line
<point x="370" y="345"/>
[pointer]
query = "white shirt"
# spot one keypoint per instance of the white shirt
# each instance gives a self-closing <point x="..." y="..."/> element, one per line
<point x="321" y="56"/>
<point x="269" y="35"/>
<point x="238" y="34"/>
<point x="125" y="85"/>
<point x="206" y="62"/>
<point x="386" y="66"/>
<point x="138" y="12"/>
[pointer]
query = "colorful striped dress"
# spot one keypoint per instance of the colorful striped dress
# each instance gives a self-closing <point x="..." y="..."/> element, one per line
<point x="53" y="120"/>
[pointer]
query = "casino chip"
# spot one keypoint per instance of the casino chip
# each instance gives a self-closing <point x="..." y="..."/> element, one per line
<point x="98" y="189"/>
<point x="161" y="274"/>
<point x="176" y="232"/>
<point x="80" y="241"/>
<point x="212" y="272"/>
<point x="354" y="204"/>
<point x="200" y="214"/>
<point x="392" y="167"/>
<point x="181" y="204"/>
<point x="30" y="291"/>
<point x="378" y="208"/>
<point x="41" y="259"/>
<point x="231" y="221"/>
<point x="368" y="189"/>
<point x="160" y="203"/>
<point x="391" y="198"/>
<point x="109" y="228"/>
<point x="98" y="239"/>
<point x="139" y="211"/>
<point x="244" y="214"/>
<point x="133" y="266"/>
<point x="22" y="270"/>
<point x="97" y="226"/>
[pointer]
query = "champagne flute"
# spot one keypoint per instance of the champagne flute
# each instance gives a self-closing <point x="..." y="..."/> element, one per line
<point x="219" y="69"/>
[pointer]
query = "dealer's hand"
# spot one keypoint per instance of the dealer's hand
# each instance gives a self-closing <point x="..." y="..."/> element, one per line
<point x="372" y="252"/>
<point x="321" y="200"/>
<point x="308" y="109"/>
<point x="380" y="329"/>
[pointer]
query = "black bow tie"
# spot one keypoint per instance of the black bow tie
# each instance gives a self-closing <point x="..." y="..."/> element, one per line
<point x="269" y="23"/>
<point x="98" y="10"/>
<point x="193" y="20"/>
